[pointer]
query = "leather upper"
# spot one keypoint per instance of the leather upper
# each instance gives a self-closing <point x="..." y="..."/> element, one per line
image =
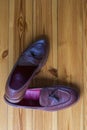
<point x="28" y="64"/>
<point x="34" y="54"/>
<point x="57" y="96"/>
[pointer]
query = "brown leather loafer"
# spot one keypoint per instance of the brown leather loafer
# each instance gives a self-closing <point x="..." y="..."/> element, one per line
<point x="29" y="63"/>
<point x="50" y="98"/>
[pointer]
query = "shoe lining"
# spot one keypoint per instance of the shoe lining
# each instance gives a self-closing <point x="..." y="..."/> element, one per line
<point x="31" y="98"/>
<point x="20" y="76"/>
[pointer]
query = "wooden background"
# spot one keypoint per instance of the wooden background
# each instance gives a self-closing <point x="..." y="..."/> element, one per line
<point x="65" y="24"/>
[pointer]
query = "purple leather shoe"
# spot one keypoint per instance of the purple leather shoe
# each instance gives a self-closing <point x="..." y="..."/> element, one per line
<point x="49" y="98"/>
<point x="29" y="63"/>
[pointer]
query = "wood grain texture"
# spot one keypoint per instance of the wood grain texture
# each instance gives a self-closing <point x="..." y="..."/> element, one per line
<point x="64" y="22"/>
<point x="85" y="60"/>
<point x="70" y="58"/>
<point x="3" y="60"/>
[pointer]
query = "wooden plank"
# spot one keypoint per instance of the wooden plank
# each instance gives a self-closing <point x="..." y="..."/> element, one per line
<point x="55" y="55"/>
<point x="70" y="60"/>
<point x="28" y="39"/>
<point x="85" y="60"/>
<point x="45" y="23"/>
<point x="20" y="34"/>
<point x="3" y="60"/>
<point x="42" y="26"/>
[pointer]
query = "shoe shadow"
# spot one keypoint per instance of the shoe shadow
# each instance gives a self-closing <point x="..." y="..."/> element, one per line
<point x="46" y="82"/>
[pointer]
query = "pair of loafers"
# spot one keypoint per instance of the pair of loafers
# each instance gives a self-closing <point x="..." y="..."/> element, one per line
<point x="17" y="91"/>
